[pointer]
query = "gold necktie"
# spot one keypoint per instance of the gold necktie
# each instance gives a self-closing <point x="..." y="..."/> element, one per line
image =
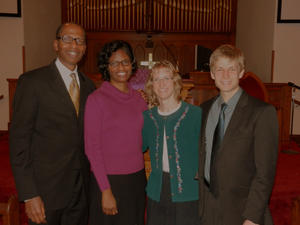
<point x="74" y="92"/>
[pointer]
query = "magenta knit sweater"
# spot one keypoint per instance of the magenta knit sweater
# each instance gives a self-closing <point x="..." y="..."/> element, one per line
<point x="113" y="132"/>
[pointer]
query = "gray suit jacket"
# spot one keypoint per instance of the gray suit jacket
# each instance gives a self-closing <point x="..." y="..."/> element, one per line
<point x="46" y="137"/>
<point x="245" y="164"/>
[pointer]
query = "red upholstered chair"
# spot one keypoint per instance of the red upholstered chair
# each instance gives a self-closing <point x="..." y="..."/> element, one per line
<point x="254" y="86"/>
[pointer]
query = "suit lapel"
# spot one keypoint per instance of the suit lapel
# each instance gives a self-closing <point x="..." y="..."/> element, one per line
<point x="234" y="123"/>
<point x="84" y="92"/>
<point x="60" y="89"/>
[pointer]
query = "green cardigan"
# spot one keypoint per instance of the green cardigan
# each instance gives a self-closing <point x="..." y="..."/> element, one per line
<point x="182" y="132"/>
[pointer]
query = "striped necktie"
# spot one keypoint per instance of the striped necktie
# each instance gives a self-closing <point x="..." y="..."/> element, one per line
<point x="74" y="92"/>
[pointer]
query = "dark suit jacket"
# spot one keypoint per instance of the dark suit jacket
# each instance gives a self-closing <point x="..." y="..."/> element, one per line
<point x="245" y="163"/>
<point x="46" y="136"/>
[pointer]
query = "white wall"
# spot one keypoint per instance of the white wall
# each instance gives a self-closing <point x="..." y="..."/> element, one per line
<point x="258" y="33"/>
<point x="287" y="61"/>
<point x="255" y="34"/>
<point x="11" y="63"/>
<point x="41" y="18"/>
<point x="35" y="30"/>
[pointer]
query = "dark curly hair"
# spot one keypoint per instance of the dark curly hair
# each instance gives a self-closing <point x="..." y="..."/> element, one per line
<point x="106" y="52"/>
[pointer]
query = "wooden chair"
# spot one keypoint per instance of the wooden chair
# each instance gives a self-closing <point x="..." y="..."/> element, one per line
<point x="10" y="211"/>
<point x="296" y="211"/>
<point x="254" y="86"/>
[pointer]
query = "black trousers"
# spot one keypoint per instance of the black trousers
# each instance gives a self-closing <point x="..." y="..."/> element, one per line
<point x="129" y="191"/>
<point x="76" y="211"/>
<point x="167" y="212"/>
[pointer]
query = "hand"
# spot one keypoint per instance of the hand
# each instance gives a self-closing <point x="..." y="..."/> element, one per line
<point x="248" y="222"/>
<point x="109" y="203"/>
<point x="35" y="210"/>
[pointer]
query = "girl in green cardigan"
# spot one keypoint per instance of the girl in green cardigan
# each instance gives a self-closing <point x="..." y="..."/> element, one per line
<point x="171" y="132"/>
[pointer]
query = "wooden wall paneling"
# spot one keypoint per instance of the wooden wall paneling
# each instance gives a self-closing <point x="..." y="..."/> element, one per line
<point x="204" y="87"/>
<point x="186" y="58"/>
<point x="160" y="52"/>
<point x="140" y="53"/>
<point x="182" y="46"/>
<point x="173" y="54"/>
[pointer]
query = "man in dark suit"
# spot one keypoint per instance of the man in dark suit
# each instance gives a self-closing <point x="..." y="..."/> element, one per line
<point x="238" y="148"/>
<point x="46" y="135"/>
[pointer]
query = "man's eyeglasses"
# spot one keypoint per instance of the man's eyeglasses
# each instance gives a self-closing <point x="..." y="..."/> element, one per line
<point x="68" y="39"/>
<point x="124" y="62"/>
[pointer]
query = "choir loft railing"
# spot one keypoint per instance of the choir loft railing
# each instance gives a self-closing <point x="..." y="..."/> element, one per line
<point x="152" y="15"/>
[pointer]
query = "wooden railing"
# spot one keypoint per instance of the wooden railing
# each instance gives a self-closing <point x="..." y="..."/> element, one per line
<point x="152" y="15"/>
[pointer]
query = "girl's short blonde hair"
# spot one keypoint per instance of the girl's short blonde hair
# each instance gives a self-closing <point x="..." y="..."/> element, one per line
<point x="152" y="98"/>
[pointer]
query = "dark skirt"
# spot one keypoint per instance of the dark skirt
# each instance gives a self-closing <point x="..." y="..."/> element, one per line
<point x="166" y="212"/>
<point x="129" y="191"/>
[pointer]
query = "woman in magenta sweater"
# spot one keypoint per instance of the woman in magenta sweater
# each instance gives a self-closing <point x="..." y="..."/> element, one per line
<point x="113" y="141"/>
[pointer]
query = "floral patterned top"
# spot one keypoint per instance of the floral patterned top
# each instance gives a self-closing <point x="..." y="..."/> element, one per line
<point x="183" y="133"/>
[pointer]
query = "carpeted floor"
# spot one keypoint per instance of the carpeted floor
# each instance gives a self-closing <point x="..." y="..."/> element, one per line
<point x="287" y="183"/>
<point x="286" y="187"/>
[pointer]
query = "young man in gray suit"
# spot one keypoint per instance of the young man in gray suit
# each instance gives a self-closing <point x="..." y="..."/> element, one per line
<point x="46" y="135"/>
<point x="238" y="148"/>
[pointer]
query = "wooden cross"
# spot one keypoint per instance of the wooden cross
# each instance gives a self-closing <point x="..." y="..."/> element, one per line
<point x="148" y="63"/>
